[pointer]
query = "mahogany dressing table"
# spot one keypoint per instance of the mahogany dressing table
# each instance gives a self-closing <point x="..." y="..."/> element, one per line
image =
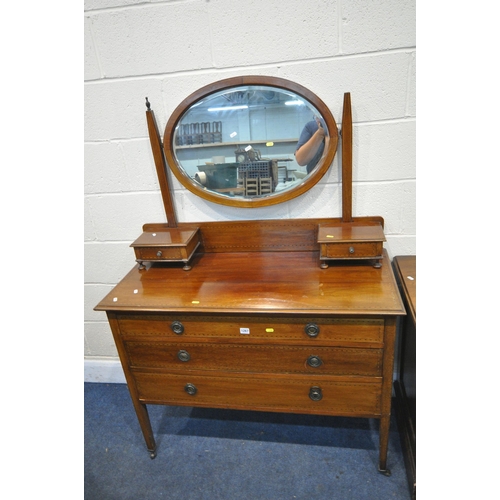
<point x="262" y="317"/>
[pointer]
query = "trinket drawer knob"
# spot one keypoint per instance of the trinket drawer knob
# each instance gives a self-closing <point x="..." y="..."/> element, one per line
<point x="190" y="389"/>
<point x="177" y="327"/>
<point x="183" y="356"/>
<point x="312" y="329"/>
<point x="314" y="361"/>
<point x="315" y="393"/>
<point x="159" y="253"/>
<point x="351" y="249"/>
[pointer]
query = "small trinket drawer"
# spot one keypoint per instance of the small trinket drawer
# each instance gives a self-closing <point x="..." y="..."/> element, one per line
<point x="351" y="241"/>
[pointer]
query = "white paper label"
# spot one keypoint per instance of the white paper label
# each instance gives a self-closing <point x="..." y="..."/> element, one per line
<point x="245" y="331"/>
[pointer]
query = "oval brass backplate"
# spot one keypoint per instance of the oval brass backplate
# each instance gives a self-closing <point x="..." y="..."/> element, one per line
<point x="314" y="361"/>
<point x="312" y="329"/>
<point x="177" y="327"/>
<point x="190" y="389"/>
<point x="183" y="356"/>
<point x="315" y="393"/>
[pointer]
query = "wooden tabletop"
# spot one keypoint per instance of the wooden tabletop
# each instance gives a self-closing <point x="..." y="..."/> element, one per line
<point x="259" y="282"/>
<point x="405" y="267"/>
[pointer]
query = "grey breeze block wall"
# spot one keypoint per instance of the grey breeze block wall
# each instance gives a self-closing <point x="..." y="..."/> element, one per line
<point x="166" y="50"/>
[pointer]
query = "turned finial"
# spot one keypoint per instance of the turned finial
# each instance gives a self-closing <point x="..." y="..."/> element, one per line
<point x="148" y="104"/>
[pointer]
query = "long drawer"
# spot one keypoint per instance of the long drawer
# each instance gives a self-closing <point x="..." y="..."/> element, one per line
<point x="251" y="328"/>
<point x="254" y="358"/>
<point x="322" y="395"/>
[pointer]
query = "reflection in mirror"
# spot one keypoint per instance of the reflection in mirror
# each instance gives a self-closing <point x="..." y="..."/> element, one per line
<point x="241" y="142"/>
<point x="237" y="145"/>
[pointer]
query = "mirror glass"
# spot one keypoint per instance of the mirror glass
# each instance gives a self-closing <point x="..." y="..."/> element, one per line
<point x="235" y="143"/>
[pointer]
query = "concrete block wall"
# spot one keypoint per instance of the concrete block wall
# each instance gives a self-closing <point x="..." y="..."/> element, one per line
<point x="166" y="50"/>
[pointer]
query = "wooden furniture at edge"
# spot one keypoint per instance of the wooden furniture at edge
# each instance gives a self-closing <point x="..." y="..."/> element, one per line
<point x="405" y="270"/>
<point x="256" y="323"/>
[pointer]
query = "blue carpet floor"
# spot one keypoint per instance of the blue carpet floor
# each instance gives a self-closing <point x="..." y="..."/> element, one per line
<point x="206" y="454"/>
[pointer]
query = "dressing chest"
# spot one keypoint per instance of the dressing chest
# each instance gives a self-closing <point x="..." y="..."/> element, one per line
<point x="256" y="321"/>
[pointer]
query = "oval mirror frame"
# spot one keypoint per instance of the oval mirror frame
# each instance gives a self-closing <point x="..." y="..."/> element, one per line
<point x="272" y="199"/>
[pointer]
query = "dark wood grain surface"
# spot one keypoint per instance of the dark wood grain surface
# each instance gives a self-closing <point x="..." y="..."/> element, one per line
<point x="405" y="267"/>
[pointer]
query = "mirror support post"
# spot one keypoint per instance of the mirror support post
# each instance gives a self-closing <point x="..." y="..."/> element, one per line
<point x="347" y="159"/>
<point x="161" y="167"/>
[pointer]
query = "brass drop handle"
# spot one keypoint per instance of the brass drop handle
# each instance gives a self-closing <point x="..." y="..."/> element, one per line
<point x="177" y="327"/>
<point x="312" y="329"/>
<point x="315" y="393"/>
<point x="351" y="249"/>
<point x="190" y="389"/>
<point x="159" y="253"/>
<point x="314" y="361"/>
<point x="183" y="356"/>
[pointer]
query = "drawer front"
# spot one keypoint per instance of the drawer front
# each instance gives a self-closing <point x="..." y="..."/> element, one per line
<point x="249" y="328"/>
<point x="255" y="358"/>
<point x="159" y="253"/>
<point x="351" y="250"/>
<point x="292" y="393"/>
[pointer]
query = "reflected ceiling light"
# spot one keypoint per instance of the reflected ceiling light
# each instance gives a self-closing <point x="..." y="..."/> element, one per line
<point x="294" y="103"/>
<point x="228" y="108"/>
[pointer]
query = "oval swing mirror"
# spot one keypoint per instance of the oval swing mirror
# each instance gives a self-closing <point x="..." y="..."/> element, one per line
<point x="233" y="142"/>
